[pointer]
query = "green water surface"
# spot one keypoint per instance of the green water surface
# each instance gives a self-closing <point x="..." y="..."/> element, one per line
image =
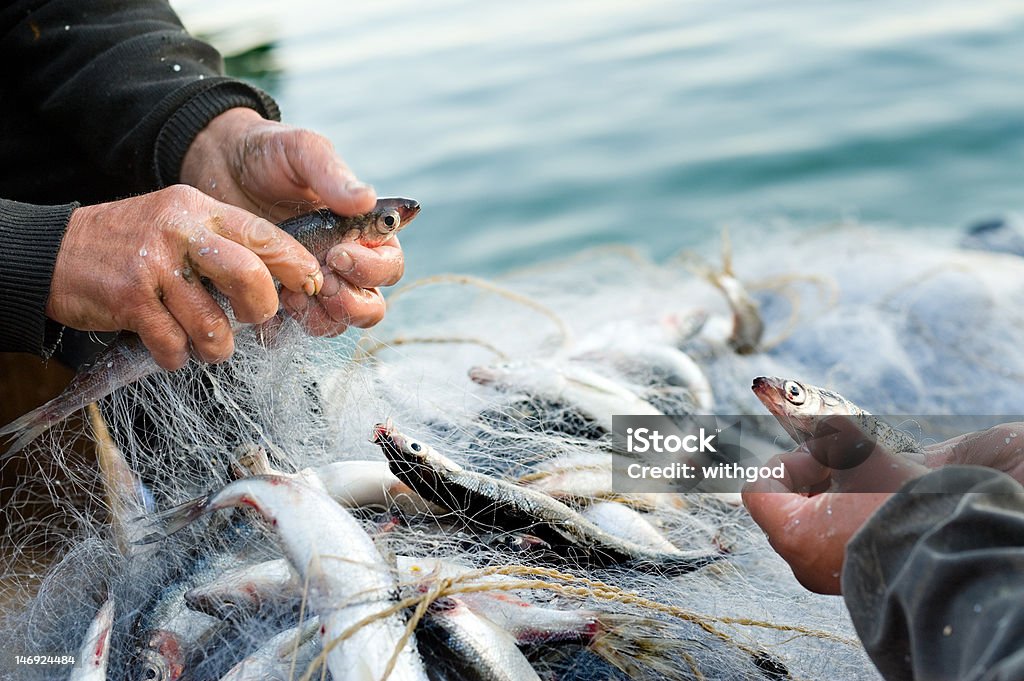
<point x="530" y="130"/>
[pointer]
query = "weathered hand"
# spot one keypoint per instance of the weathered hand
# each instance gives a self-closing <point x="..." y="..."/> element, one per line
<point x="278" y="171"/>
<point x="809" y="527"/>
<point x="136" y="264"/>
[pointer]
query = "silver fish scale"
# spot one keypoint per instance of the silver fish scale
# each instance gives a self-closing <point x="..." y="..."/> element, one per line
<point x="892" y="439"/>
<point x="896" y="441"/>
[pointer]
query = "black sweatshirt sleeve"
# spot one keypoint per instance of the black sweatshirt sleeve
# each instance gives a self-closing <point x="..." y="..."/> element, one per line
<point x="122" y="79"/>
<point x="126" y="87"/>
<point x="29" y="239"/>
<point x="934" y="581"/>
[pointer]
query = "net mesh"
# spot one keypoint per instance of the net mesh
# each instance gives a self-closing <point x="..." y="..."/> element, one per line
<point x="894" y="324"/>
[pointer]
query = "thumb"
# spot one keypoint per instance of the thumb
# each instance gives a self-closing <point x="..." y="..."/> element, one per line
<point x="317" y="166"/>
<point x="771" y="504"/>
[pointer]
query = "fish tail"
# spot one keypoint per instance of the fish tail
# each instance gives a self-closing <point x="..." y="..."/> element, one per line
<point x="678" y="563"/>
<point x="727" y="253"/>
<point x="701" y="268"/>
<point x="638" y="646"/>
<point x="251" y="459"/>
<point x="117" y="367"/>
<point x="23" y="431"/>
<point x="175" y="518"/>
<point x="27" y="427"/>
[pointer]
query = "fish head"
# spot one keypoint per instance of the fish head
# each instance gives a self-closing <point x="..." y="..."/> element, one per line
<point x="387" y="218"/>
<point x="532" y="376"/>
<point x="487" y="375"/>
<point x="796" y="406"/>
<point x="400" y="447"/>
<point x="223" y="603"/>
<point x="163" y="658"/>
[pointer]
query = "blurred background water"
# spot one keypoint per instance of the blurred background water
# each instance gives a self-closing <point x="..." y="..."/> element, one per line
<point x="530" y="130"/>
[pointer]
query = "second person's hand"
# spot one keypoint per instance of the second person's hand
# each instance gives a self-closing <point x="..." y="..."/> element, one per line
<point x="810" y="529"/>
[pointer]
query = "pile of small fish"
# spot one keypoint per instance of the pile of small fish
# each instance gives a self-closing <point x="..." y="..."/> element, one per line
<point x="479" y="535"/>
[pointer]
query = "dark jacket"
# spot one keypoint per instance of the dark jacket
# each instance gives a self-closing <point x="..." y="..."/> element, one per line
<point x="101" y="100"/>
<point x="934" y="581"/>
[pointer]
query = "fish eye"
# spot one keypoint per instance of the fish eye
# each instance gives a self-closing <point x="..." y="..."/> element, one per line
<point x="415" y="446"/>
<point x="794" y="392"/>
<point x="391" y="220"/>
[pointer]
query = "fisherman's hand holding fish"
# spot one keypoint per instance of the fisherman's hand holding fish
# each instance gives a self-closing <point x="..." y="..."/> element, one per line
<point x="810" y="529"/>
<point x="276" y="170"/>
<point x="136" y="264"/>
<point x="847" y="465"/>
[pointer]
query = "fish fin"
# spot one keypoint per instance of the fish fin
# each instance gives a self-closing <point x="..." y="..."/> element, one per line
<point x="166" y="523"/>
<point x="28" y="427"/>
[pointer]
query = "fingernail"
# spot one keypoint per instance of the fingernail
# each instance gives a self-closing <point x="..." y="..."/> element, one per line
<point x="355" y="186"/>
<point x="342" y="263"/>
<point x="314" y="282"/>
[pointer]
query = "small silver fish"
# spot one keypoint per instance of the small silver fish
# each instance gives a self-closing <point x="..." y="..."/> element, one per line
<point x="127" y="360"/>
<point x="353" y="484"/>
<point x="799" y="408"/>
<point x="579" y="478"/>
<point x="481" y="650"/>
<point x="346" y="578"/>
<point x="622" y="521"/>
<point x="747" y="324"/>
<point x="173" y="637"/>
<point x="91" y="662"/>
<point x="244" y="591"/>
<point x="635" y="645"/>
<point x="660" y="366"/>
<point x="594" y="395"/>
<point x="487" y="503"/>
<point x="274" y="660"/>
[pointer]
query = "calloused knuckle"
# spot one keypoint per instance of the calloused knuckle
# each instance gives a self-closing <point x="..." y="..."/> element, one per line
<point x="140" y="306"/>
<point x="222" y="351"/>
<point x="258" y="234"/>
<point x="310" y="139"/>
<point x="254" y="275"/>
<point x="180" y="193"/>
<point x="176" y="359"/>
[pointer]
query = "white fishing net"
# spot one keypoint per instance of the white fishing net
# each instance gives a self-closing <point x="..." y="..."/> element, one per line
<point x="895" y="323"/>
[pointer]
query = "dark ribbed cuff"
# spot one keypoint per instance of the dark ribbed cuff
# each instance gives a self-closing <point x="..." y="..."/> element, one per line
<point x="30" y="237"/>
<point x="181" y="128"/>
